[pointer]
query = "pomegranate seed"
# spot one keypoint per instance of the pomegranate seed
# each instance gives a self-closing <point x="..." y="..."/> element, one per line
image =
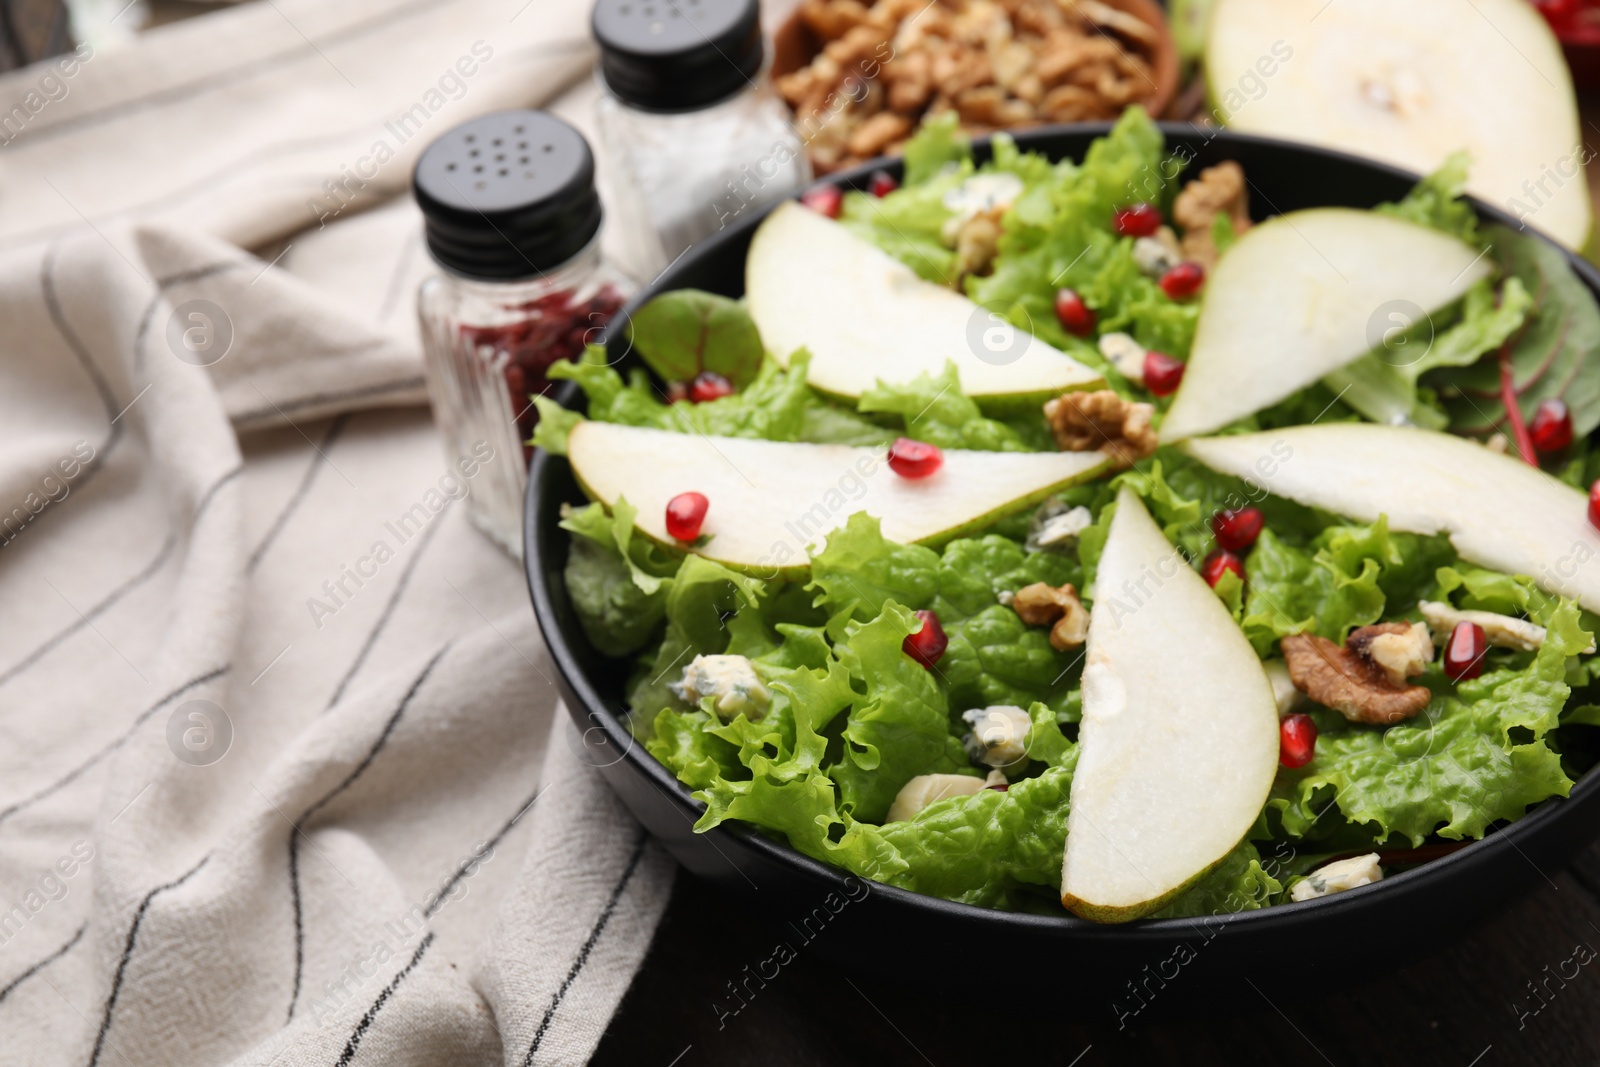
<point x="1297" y="739"/>
<point x="1551" y="428"/>
<point x="1594" y="505"/>
<point x="1184" y="280"/>
<point x="824" y="200"/>
<point x="685" y="514"/>
<point x="677" y="391"/>
<point x="709" y="385"/>
<point x="1162" y="373"/>
<point x="1136" y="220"/>
<point x="1218" y="563"/>
<point x="881" y="183"/>
<point x="1075" y="316"/>
<point x="1463" y="653"/>
<point x="1237" y="530"/>
<point x="1559" y="13"/>
<point x="914" y="459"/>
<point x="928" y="643"/>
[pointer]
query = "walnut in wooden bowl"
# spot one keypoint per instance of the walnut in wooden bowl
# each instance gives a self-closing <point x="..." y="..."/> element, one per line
<point x="860" y="76"/>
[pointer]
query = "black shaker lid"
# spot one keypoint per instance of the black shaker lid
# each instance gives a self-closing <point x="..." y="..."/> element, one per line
<point x="677" y="55"/>
<point x="508" y="195"/>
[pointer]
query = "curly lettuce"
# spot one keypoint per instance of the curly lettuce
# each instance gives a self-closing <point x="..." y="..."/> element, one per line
<point x="1479" y="754"/>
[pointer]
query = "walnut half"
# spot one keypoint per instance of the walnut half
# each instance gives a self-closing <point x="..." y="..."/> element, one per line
<point x="1218" y="190"/>
<point x="1349" y="680"/>
<point x="1060" y="609"/>
<point x="1084" y="422"/>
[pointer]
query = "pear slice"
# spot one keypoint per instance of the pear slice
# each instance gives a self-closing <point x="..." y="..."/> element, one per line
<point x="770" y="499"/>
<point x="865" y="316"/>
<point x="1498" y="512"/>
<point x="1298" y="298"/>
<point x="1179" y="740"/>
<point x="1410" y="83"/>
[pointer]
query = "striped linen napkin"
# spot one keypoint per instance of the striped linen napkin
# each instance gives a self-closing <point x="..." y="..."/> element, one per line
<point x="283" y="775"/>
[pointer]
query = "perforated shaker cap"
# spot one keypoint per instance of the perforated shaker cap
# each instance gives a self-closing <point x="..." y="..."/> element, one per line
<point x="508" y="195"/>
<point x="677" y="55"/>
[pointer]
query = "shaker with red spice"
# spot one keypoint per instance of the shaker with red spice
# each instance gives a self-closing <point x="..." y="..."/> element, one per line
<point x="512" y="219"/>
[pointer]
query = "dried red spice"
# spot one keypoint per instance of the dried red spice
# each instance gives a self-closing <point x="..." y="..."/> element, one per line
<point x="555" y="326"/>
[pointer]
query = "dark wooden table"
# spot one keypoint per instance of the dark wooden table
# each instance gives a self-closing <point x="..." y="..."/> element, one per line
<point x="1470" y="1004"/>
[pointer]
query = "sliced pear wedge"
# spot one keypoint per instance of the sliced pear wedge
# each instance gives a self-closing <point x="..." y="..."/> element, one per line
<point x="865" y="316"/>
<point x="1410" y="83"/>
<point x="770" y="499"/>
<point x="1499" y="512"/>
<point x="1179" y="740"/>
<point x="1298" y="298"/>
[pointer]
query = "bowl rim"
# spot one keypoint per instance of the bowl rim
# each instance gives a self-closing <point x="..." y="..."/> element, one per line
<point x="1492" y="848"/>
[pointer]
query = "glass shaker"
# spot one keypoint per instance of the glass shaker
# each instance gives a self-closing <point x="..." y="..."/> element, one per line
<point x="692" y="138"/>
<point x="512" y="219"/>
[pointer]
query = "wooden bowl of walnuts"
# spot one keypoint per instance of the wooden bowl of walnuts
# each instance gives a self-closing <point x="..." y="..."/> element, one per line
<point x="861" y="75"/>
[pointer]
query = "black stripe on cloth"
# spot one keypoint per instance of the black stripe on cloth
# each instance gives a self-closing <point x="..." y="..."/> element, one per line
<point x="80" y="351"/>
<point x="319" y="399"/>
<point x="371" y="1013"/>
<point x="127" y="954"/>
<point x="121" y="591"/>
<point x="588" y="947"/>
<point x="335" y="428"/>
<point x="138" y="721"/>
<point x="383" y="619"/>
<point x="477" y="857"/>
<point x="297" y="830"/>
<point x="42" y="964"/>
<point x="86" y="618"/>
<point x="162" y="285"/>
<point x="58" y="316"/>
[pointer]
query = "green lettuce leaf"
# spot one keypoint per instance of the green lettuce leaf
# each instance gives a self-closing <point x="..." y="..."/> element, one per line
<point x="939" y="143"/>
<point x="684" y="332"/>
<point x="682" y="743"/>
<point x="1349" y="576"/>
<point x="777" y="405"/>
<point x="1551" y="357"/>
<point x="1059" y="234"/>
<point x="995" y="658"/>
<point x="709" y="609"/>
<point x="1382" y="385"/>
<point x="935" y="410"/>
<point x="1238" y="883"/>
<point x="985" y="849"/>
<point x="1477" y="755"/>
<point x="900" y="726"/>
<point x="615" y="581"/>
<point x="858" y="571"/>
<point x="1436" y="201"/>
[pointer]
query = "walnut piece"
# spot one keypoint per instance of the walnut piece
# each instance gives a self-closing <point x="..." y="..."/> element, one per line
<point x="1341" y="677"/>
<point x="1401" y="651"/>
<point x="997" y="63"/>
<point x="1084" y="422"/>
<point x="1215" y="191"/>
<point x="1060" y="609"/>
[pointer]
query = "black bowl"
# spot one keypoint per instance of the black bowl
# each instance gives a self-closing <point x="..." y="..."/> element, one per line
<point x="1109" y="968"/>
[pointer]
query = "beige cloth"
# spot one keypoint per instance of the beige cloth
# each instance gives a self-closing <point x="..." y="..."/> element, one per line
<point x="236" y="827"/>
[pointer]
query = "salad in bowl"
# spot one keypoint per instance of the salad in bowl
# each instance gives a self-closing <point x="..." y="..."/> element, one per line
<point x="1053" y="537"/>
